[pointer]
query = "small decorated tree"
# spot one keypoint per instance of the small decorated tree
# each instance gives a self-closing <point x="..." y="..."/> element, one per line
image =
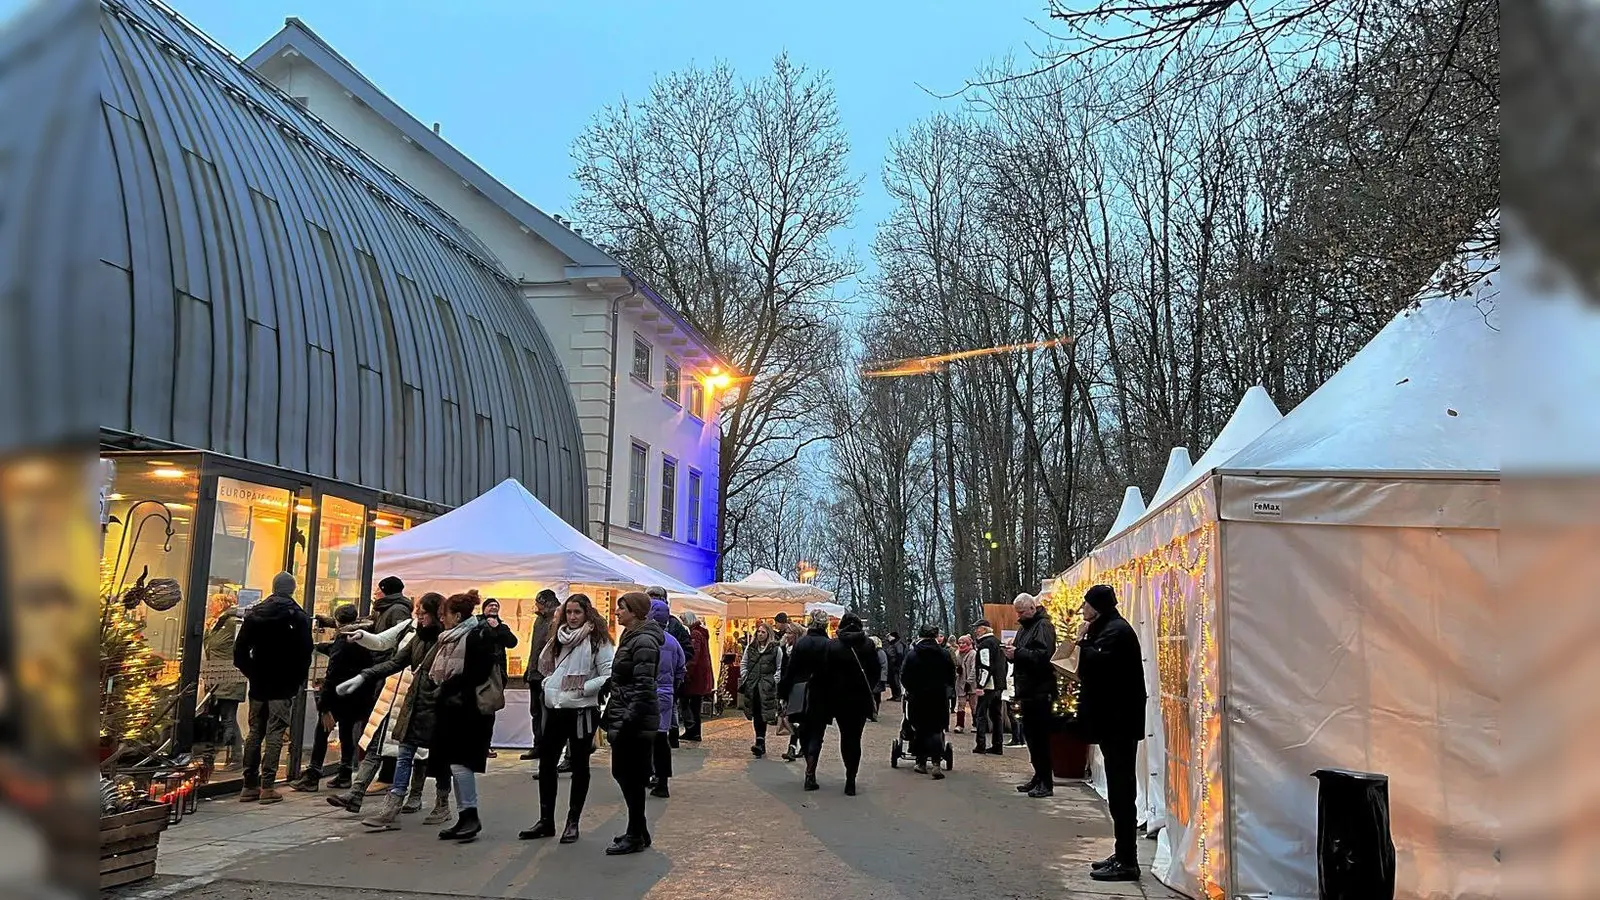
<point x="134" y="705"/>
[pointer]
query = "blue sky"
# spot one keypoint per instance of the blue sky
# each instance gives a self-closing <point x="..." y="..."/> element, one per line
<point x="514" y="81"/>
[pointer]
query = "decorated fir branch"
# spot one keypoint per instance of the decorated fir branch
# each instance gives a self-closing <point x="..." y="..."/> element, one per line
<point x="134" y="704"/>
<point x="1064" y="611"/>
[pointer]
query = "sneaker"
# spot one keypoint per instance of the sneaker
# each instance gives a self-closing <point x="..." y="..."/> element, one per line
<point x="1117" y="871"/>
<point x="1106" y="863"/>
<point x="269" y="797"/>
<point x="938" y="774"/>
<point x="306" y="785"/>
<point x="1042" y="791"/>
<point x="250" y="795"/>
<point x="961" y="729"/>
<point x="921" y="768"/>
<point x="996" y="751"/>
<point x="530" y="755"/>
<point x="1025" y="788"/>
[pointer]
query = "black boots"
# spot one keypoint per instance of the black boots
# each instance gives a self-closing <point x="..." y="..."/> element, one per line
<point x="811" y="773"/>
<point x="849" y="785"/>
<point x="341" y="781"/>
<point x="465" y="829"/>
<point x="660" y="790"/>
<point x="570" y="835"/>
<point x="759" y="748"/>
<point x="544" y="828"/>
<point x="308" y="782"/>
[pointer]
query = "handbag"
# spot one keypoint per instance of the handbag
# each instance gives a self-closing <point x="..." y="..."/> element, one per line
<point x="491" y="695"/>
<point x="797" y="704"/>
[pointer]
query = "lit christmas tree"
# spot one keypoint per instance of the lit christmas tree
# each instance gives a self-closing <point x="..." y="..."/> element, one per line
<point x="133" y="703"/>
<point x="1064" y="611"/>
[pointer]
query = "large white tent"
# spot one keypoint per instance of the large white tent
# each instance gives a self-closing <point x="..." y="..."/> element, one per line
<point x="1320" y="596"/>
<point x="507" y="543"/>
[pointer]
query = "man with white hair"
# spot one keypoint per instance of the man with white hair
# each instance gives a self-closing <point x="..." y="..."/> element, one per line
<point x="1034" y="680"/>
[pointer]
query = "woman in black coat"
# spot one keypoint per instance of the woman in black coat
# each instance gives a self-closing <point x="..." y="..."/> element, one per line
<point x="928" y="679"/>
<point x="463" y="663"/>
<point x="852" y="679"/>
<point x="807" y="665"/>
<point x="633" y="714"/>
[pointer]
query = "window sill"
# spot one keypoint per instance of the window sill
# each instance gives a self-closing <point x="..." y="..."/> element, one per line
<point x="641" y="382"/>
<point x="675" y="404"/>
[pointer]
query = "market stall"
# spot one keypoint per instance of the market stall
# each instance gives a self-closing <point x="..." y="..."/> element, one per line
<point x="1330" y="574"/>
<point x="509" y="546"/>
<point x="760" y="597"/>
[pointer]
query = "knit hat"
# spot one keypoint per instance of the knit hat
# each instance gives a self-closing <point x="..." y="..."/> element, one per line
<point x="345" y="614"/>
<point x="391" y="586"/>
<point x="283" y="583"/>
<point x="1101" y="598"/>
<point x="656" y="592"/>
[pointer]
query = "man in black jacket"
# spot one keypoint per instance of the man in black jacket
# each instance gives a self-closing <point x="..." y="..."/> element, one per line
<point x="894" y="652"/>
<point x="928" y="676"/>
<point x="273" y="650"/>
<point x="543" y="625"/>
<point x="1034" y="680"/>
<point x="990" y="686"/>
<point x="1111" y="699"/>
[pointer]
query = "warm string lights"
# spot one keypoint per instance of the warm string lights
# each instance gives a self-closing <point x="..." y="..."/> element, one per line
<point x="134" y="695"/>
<point x="1173" y="583"/>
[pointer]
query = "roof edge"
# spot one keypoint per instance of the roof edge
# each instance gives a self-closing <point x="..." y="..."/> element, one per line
<point x="296" y="34"/>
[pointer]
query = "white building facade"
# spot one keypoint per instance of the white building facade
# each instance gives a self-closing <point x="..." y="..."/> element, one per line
<point x="652" y="449"/>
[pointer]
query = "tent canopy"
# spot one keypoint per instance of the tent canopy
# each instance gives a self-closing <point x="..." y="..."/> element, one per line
<point x="507" y="542"/>
<point x="764" y="593"/>
<point x="1130" y="511"/>
<point x="1172" y="480"/>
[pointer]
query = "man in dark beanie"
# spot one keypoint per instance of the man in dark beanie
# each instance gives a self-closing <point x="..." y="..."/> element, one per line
<point x="1111" y="698"/>
<point x="273" y="651"/>
<point x="391" y="607"/>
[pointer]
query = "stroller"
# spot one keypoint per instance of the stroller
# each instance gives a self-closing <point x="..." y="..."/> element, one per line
<point x="908" y="737"/>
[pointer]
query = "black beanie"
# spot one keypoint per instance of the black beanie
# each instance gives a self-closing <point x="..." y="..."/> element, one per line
<point x="391" y="586"/>
<point x="1101" y="598"/>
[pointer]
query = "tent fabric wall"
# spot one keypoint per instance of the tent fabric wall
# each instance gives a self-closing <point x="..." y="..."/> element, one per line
<point x="1371" y="648"/>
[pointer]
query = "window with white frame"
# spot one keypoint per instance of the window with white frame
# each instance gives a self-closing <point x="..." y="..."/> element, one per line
<point x="671" y="381"/>
<point x="641" y="359"/>
<point x="669" y="496"/>
<point x="638" y="465"/>
<point x="693" y="535"/>
<point x="697" y="400"/>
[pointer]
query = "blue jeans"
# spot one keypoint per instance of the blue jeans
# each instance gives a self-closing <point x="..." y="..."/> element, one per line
<point x="402" y="770"/>
<point x="466" y="787"/>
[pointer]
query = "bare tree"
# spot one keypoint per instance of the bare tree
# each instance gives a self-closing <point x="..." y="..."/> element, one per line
<point x="724" y="194"/>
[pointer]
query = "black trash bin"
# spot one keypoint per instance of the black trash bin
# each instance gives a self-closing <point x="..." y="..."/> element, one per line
<point x="1355" y="854"/>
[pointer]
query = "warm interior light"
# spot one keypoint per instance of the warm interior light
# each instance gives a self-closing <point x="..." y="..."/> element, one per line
<point x="178" y="506"/>
<point x="115" y="497"/>
<point x="168" y="473"/>
<point x="382" y="523"/>
<point x="272" y="519"/>
<point x="159" y="463"/>
<point x="304" y="508"/>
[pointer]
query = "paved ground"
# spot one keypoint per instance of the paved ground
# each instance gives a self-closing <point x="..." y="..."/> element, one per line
<point x="735" y="827"/>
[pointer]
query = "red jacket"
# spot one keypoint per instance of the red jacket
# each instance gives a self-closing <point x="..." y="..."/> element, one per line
<point x="699" y="682"/>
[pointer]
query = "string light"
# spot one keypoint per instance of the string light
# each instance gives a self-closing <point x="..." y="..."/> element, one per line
<point x="1177" y="581"/>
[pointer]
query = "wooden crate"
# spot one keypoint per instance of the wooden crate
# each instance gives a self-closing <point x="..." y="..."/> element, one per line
<point x="128" y="843"/>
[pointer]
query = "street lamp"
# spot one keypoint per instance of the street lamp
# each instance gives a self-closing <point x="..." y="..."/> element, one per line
<point x="806" y="572"/>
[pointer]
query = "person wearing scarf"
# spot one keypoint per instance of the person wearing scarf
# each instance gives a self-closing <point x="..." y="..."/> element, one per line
<point x="573" y="666"/>
<point x="463" y="663"/>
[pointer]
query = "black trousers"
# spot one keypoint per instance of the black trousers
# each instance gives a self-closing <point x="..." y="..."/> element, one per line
<point x="562" y="727"/>
<point x="1122" y="791"/>
<point x="850" y="729"/>
<point x="1036" y="718"/>
<point x="989" y="721"/>
<point x="691" y="716"/>
<point x="630" y="766"/>
<point x="536" y="710"/>
<point x="347" y="745"/>
<point x="760" y="719"/>
<point x="661" y="762"/>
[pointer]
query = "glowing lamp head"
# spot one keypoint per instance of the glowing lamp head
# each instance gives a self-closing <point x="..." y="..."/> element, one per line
<point x="718" y="380"/>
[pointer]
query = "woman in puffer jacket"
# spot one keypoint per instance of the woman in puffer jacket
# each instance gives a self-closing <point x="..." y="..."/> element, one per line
<point x="670" y="674"/>
<point x="759" y="674"/>
<point x="633" y="714"/>
<point x="573" y="667"/>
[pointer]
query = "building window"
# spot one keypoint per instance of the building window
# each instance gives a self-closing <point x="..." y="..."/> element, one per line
<point x="641" y="360"/>
<point x="672" y="381"/>
<point x="694" y="507"/>
<point x="669" y="496"/>
<point x="697" y="400"/>
<point x="638" y="463"/>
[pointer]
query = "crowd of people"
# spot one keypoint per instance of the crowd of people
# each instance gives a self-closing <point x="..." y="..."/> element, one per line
<point x="438" y="668"/>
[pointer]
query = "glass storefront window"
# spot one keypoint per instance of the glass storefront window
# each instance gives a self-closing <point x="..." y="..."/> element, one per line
<point x="145" y="492"/>
<point x="249" y="534"/>
<point x="343" y="525"/>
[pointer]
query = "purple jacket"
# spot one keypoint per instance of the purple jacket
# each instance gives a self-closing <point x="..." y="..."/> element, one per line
<point x="674" y="665"/>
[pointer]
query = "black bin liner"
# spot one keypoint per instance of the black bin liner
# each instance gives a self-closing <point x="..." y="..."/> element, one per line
<point x="1355" y="854"/>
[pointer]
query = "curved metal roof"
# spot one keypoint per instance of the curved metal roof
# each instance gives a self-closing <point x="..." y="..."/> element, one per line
<point x="277" y="295"/>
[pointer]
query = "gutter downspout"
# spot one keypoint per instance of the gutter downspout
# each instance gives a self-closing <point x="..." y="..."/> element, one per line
<point x="611" y="412"/>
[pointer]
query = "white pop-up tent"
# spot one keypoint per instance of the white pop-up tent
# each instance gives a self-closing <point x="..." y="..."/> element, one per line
<point x="1128" y="513"/>
<point x="507" y="543"/>
<point x="764" y="593"/>
<point x="1324" y="600"/>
